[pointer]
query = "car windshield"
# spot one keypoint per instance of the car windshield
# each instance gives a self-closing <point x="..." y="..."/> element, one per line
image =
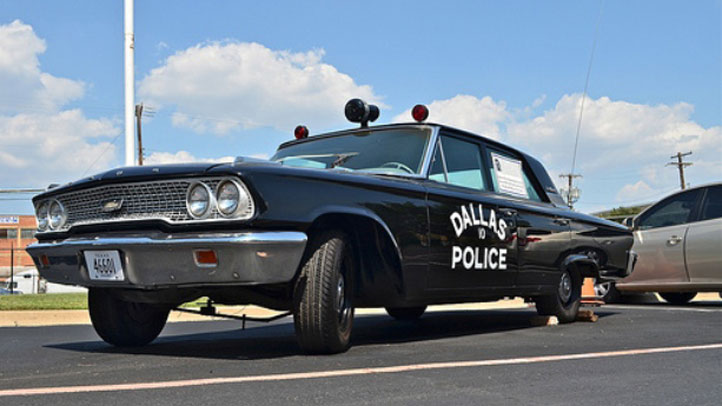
<point x="395" y="151"/>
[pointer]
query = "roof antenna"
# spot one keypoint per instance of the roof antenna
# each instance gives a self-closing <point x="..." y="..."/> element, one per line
<point x="571" y="175"/>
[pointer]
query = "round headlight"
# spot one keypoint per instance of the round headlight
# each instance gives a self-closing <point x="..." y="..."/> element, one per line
<point x="42" y="215"/>
<point x="233" y="199"/>
<point x="56" y="215"/>
<point x="198" y="200"/>
<point x="228" y="197"/>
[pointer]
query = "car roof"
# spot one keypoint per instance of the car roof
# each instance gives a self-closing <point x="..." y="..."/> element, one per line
<point x="702" y="186"/>
<point x="536" y="166"/>
<point x="402" y="125"/>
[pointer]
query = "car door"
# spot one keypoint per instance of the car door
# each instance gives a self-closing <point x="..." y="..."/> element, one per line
<point x="703" y="244"/>
<point x="543" y="231"/>
<point x="470" y="236"/>
<point x="659" y="240"/>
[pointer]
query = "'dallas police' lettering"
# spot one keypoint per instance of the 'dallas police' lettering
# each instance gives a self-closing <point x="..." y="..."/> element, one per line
<point x="478" y="258"/>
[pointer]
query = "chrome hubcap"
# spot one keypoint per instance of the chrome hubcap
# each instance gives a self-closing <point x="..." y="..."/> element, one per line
<point x="602" y="289"/>
<point x="565" y="287"/>
<point x="340" y="294"/>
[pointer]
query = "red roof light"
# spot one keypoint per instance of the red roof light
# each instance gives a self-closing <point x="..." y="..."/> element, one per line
<point x="420" y="113"/>
<point x="300" y="132"/>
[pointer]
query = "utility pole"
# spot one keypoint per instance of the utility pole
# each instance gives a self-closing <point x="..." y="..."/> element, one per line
<point x="12" y="266"/>
<point x="129" y="83"/>
<point x="138" y="115"/>
<point x="680" y="164"/>
<point x="571" y="193"/>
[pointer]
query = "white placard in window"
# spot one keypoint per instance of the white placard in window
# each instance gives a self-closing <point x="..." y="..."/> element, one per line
<point x="509" y="176"/>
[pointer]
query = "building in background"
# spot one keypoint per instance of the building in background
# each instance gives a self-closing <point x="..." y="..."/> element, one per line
<point x="16" y="233"/>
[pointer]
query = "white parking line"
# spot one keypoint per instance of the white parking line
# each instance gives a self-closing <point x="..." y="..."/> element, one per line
<point x="346" y="372"/>
<point x="667" y="308"/>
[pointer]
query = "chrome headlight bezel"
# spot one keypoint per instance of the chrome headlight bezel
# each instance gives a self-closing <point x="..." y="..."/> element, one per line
<point x="63" y="215"/>
<point x="244" y="207"/>
<point x="210" y="201"/>
<point x="41" y="215"/>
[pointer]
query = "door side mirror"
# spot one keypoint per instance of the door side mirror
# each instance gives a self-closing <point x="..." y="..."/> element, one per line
<point x="628" y="222"/>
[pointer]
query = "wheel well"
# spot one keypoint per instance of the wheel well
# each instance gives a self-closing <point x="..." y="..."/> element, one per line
<point x="586" y="266"/>
<point x="376" y="257"/>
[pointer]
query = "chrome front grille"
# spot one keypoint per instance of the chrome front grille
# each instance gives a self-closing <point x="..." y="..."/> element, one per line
<point x="160" y="200"/>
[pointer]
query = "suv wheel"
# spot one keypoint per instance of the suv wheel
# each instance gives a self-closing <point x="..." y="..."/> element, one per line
<point x="322" y="304"/>
<point x="125" y="324"/>
<point x="564" y="304"/>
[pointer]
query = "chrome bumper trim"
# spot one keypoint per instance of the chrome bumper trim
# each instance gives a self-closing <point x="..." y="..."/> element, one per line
<point x="161" y="260"/>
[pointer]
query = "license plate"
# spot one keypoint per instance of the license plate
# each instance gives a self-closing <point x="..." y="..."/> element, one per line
<point x="104" y="265"/>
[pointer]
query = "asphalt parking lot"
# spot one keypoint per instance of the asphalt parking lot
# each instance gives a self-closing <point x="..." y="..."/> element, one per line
<point x="635" y="354"/>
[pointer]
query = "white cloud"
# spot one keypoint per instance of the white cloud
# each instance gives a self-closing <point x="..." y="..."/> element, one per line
<point x="40" y="142"/>
<point x="483" y="116"/>
<point x="219" y="87"/>
<point x="635" y="192"/>
<point x="24" y="85"/>
<point x="158" y="158"/>
<point x="624" y="131"/>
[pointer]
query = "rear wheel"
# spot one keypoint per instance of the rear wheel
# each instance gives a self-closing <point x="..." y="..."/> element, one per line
<point x="406" y="313"/>
<point x="678" y="298"/>
<point x="323" y="308"/>
<point x="564" y="304"/>
<point x="125" y="324"/>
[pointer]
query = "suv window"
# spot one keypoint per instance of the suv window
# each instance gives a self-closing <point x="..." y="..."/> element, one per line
<point x="670" y="212"/>
<point x="712" y="208"/>
<point x="505" y="171"/>
<point x="463" y="164"/>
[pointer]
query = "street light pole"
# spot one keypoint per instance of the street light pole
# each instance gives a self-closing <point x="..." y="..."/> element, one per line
<point x="129" y="84"/>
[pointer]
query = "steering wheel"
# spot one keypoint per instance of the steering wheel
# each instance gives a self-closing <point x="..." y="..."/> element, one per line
<point x="398" y="165"/>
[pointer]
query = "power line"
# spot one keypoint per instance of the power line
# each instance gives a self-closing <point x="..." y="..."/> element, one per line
<point x="102" y="153"/>
<point x="20" y="191"/>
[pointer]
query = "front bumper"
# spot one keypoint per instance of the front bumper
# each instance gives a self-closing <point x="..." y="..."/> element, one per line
<point x="152" y="261"/>
<point x="613" y="275"/>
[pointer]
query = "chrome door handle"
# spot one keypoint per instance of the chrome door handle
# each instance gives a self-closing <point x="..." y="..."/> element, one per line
<point x="674" y="240"/>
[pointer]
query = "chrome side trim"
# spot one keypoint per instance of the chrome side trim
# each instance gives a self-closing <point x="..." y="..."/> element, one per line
<point x="233" y="238"/>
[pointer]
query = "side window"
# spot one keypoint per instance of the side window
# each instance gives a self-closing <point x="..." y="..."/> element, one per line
<point x="712" y="208"/>
<point x="463" y="163"/>
<point x="509" y="176"/>
<point x="670" y="212"/>
<point x="437" y="171"/>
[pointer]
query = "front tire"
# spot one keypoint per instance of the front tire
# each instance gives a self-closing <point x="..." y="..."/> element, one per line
<point x="323" y="308"/>
<point x="564" y="304"/>
<point x="678" y="298"/>
<point x="124" y="324"/>
<point x="406" y="313"/>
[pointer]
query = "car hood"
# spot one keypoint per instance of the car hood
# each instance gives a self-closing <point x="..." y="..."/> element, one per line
<point x="241" y="165"/>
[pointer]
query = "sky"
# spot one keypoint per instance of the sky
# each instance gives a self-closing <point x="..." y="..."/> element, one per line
<point x="228" y="78"/>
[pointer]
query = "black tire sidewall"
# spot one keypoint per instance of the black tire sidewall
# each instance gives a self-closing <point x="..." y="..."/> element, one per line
<point x="552" y="305"/>
<point x="122" y="323"/>
<point x="318" y="325"/>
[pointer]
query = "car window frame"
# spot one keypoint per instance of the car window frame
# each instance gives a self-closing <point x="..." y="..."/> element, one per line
<point x="693" y="216"/>
<point x="702" y="204"/>
<point x="440" y="147"/>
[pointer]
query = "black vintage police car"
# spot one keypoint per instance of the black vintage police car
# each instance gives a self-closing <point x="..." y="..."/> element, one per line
<point x="398" y="216"/>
